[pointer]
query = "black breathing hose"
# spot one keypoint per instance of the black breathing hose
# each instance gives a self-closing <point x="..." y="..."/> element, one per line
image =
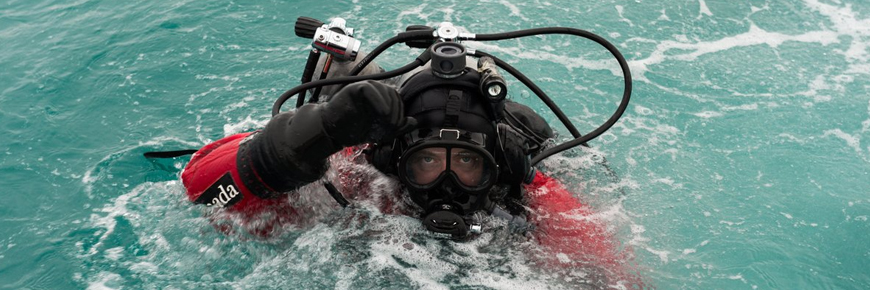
<point x="623" y="64"/>
<point x="543" y="96"/>
<point x="423" y="58"/>
<point x="310" y="65"/>
<point x="401" y="37"/>
<point x="420" y="60"/>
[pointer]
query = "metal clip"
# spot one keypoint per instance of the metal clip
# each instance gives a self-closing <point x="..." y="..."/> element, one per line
<point x="454" y="134"/>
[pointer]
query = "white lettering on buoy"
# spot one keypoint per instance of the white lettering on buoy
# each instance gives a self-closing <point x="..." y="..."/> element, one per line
<point x="227" y="194"/>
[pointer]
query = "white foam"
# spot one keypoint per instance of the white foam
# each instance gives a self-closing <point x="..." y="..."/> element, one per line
<point x="643" y="110"/>
<point x="754" y="36"/>
<point x="515" y="11"/>
<point x="744" y="107"/>
<point x="448" y="13"/>
<point x="662" y="254"/>
<point x="846" y="23"/>
<point x="652" y="125"/>
<point x="431" y="267"/>
<point x="248" y="124"/>
<point x="127" y="80"/>
<point x="754" y="9"/>
<point x="114" y="210"/>
<point x="566" y="61"/>
<point x="193" y="97"/>
<point x="619" y="10"/>
<point x="217" y="77"/>
<point x="708" y="114"/>
<point x="416" y="11"/>
<point x="865" y="125"/>
<point x="428" y="268"/>
<point x="492" y="280"/>
<point x="730" y="223"/>
<point x="666" y="180"/>
<point x="703" y="9"/>
<point x="792" y="138"/>
<point x="144" y="267"/>
<point x="820" y="84"/>
<point x="611" y="215"/>
<point x="115" y="253"/>
<point x="858" y="68"/>
<point x="106" y="278"/>
<point x="852" y="141"/>
<point x="664" y="16"/>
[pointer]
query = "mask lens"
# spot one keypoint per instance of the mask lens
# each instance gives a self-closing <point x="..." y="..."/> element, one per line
<point x="468" y="166"/>
<point x="426" y="166"/>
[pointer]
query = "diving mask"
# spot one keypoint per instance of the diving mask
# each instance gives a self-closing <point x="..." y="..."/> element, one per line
<point x="448" y="172"/>
<point x="441" y="154"/>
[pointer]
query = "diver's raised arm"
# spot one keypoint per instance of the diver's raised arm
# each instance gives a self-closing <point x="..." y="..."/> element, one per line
<point x="292" y="149"/>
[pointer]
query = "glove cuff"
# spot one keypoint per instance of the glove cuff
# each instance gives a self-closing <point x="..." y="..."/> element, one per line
<point x="289" y="153"/>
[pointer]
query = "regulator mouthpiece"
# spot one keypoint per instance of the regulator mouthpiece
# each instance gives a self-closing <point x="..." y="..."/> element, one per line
<point x="448" y="59"/>
<point x="446" y="222"/>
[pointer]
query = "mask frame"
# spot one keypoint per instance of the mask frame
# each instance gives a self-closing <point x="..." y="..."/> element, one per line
<point x="450" y="139"/>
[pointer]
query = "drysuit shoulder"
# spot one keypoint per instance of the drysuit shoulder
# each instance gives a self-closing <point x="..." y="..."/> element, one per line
<point x="528" y="123"/>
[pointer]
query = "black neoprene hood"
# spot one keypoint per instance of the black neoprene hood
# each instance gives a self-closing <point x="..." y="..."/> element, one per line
<point x="426" y="99"/>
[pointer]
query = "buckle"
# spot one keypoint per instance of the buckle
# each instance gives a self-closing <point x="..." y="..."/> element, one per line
<point x="453" y="134"/>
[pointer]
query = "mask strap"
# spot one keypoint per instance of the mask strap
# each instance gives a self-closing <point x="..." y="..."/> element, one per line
<point x="452" y="110"/>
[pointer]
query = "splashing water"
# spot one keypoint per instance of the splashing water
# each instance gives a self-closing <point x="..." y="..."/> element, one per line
<point x="742" y="161"/>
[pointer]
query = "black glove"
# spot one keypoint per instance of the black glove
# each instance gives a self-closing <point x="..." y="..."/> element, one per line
<point x="363" y="112"/>
<point x="292" y="150"/>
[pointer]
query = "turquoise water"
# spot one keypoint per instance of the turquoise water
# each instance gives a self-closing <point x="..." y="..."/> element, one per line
<point x="741" y="163"/>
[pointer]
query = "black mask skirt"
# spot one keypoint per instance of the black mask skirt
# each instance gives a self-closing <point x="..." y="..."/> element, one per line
<point x="449" y="173"/>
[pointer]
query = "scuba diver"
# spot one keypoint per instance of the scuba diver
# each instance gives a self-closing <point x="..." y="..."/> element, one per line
<point x="441" y="126"/>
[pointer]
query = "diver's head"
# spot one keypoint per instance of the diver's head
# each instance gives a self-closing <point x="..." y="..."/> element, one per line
<point x="447" y="162"/>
